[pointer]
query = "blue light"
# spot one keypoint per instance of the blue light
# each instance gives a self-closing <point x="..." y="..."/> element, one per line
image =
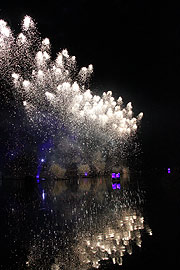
<point x="113" y="175"/>
<point x="86" y="174"/>
<point x="42" y="160"/>
<point x="37" y="177"/>
<point x="118" y="175"/>
<point x="118" y="186"/>
<point x="114" y="186"/>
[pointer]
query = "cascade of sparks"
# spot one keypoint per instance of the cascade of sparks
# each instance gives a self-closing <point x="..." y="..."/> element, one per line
<point x="56" y="99"/>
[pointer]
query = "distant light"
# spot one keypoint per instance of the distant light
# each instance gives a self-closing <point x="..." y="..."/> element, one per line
<point x="118" y="186"/>
<point x="86" y="174"/>
<point x="115" y="175"/>
<point x="43" y="195"/>
<point x="114" y="186"/>
<point x="37" y="177"/>
<point x="169" y="170"/>
<point x="42" y="159"/>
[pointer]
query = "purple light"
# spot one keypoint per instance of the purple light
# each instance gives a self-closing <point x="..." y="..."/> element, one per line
<point x="118" y="186"/>
<point x="86" y="174"/>
<point x="169" y="170"/>
<point x="114" y="186"/>
<point x="37" y="177"/>
<point x="113" y="175"/>
<point x="118" y="175"/>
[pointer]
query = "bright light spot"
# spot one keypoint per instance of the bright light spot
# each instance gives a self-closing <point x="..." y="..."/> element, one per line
<point x="49" y="95"/>
<point x="140" y="116"/>
<point x="66" y="85"/>
<point x="119" y="100"/>
<point x="43" y="195"/>
<point x="39" y="57"/>
<point x="75" y="86"/>
<point x="129" y="106"/>
<point x="46" y="41"/>
<point x="22" y="37"/>
<point x="4" y="30"/>
<point x="118" y="186"/>
<point x="46" y="55"/>
<point x="109" y="93"/>
<point x="90" y="67"/>
<point x="26" y="83"/>
<point x="114" y="186"/>
<point x="15" y="76"/>
<point x="84" y="69"/>
<point x="65" y="53"/>
<point x="59" y="60"/>
<point x="27" y="23"/>
<point x="134" y="127"/>
<point x="40" y="73"/>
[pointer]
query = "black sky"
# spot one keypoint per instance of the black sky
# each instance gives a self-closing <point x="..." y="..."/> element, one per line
<point x="135" y="50"/>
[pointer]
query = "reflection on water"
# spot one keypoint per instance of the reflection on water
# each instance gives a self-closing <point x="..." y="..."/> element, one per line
<point x="114" y="238"/>
<point x="77" y="224"/>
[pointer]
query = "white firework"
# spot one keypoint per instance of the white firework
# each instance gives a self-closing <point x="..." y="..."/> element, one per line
<point x="55" y="96"/>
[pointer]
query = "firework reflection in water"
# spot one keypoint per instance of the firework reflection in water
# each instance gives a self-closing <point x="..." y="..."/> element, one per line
<point x="97" y="223"/>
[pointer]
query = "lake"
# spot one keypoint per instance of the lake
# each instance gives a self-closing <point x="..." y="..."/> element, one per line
<point x="91" y="223"/>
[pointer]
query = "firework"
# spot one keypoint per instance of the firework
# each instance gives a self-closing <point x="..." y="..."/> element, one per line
<point x="58" y="103"/>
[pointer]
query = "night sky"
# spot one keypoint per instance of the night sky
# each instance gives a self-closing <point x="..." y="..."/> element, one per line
<point x="135" y="51"/>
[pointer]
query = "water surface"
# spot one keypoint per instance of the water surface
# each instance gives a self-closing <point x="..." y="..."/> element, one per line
<point x="74" y="224"/>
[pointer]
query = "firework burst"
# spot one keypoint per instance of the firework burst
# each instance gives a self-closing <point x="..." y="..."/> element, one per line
<point x="56" y="99"/>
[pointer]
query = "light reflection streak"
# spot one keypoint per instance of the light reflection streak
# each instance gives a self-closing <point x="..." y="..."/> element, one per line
<point x="103" y="229"/>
